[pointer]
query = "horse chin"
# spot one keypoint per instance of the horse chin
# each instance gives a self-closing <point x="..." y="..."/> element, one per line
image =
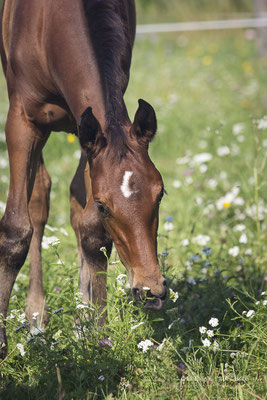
<point x="154" y="304"/>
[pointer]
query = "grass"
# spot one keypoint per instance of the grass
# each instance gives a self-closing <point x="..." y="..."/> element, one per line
<point x="208" y="92"/>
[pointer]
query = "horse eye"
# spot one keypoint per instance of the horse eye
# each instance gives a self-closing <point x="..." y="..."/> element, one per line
<point x="102" y="208"/>
<point x="161" y="194"/>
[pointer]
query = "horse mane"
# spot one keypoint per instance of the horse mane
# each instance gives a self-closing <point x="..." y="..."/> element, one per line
<point x="109" y="34"/>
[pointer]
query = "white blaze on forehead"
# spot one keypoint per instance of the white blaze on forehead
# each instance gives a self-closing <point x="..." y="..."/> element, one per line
<point x="125" y="188"/>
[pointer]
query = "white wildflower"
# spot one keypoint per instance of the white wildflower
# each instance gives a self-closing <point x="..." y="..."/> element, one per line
<point x="239" y="228"/>
<point x="214" y="322"/>
<point x="35" y="315"/>
<point x="206" y="342"/>
<point x="232" y="355"/>
<point x="136" y="326"/>
<point x="177" y="184"/>
<point x="62" y="230"/>
<point x="16" y="287"/>
<point x="121" y="279"/>
<point x="51" y="228"/>
<point x="144" y="345"/>
<point x="188" y="180"/>
<point x="262" y="123"/>
<point x="2" y="137"/>
<point x="2" y="207"/>
<point x="238" y="128"/>
<point x="36" y="331"/>
<point x="243" y="238"/>
<point x="183" y="160"/>
<point x="212" y="183"/>
<point x="77" y="154"/>
<point x="101" y="378"/>
<point x="173" y="295"/>
<point x="198" y="200"/>
<point x="253" y="210"/>
<point x="20" y="347"/>
<point x="215" y="346"/>
<point x="202" y="329"/>
<point x="22" y="318"/>
<point x="49" y="241"/>
<point x="210" y="333"/>
<point x="11" y="316"/>
<point x="82" y="306"/>
<point x="250" y="313"/>
<point x="121" y="290"/>
<point x="201" y="240"/>
<point x="3" y="162"/>
<point x="228" y="198"/>
<point x="203" y="168"/>
<point x="168" y="226"/>
<point x="185" y="242"/>
<point x="264" y="302"/>
<point x="160" y="347"/>
<point x="233" y="251"/>
<point x="263" y="293"/>
<point x="223" y="151"/>
<point x="238" y="201"/>
<point x="202" y="158"/>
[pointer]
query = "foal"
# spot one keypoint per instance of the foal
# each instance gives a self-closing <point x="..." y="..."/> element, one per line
<point x="67" y="67"/>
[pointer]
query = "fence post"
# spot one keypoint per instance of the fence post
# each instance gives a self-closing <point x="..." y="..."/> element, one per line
<point x="260" y="8"/>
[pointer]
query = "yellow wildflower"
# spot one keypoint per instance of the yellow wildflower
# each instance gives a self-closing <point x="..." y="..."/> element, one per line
<point x="70" y="138"/>
<point x="206" y="60"/>
<point x="226" y="204"/>
<point x="247" y="67"/>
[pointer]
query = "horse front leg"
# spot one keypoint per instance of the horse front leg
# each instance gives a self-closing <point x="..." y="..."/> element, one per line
<point x="24" y="143"/>
<point x="91" y="236"/>
<point x="93" y="273"/>
<point x="36" y="309"/>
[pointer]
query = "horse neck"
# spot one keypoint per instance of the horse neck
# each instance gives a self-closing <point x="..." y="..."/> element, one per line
<point x="78" y="76"/>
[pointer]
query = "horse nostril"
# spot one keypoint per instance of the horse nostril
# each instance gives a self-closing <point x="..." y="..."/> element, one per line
<point x="164" y="283"/>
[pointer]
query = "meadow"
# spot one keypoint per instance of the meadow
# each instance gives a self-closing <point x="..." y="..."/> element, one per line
<point x="209" y="91"/>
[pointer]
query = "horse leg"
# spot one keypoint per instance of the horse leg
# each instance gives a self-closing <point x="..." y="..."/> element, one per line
<point x="91" y="236"/>
<point x="38" y="210"/>
<point x="24" y="143"/>
<point x="78" y="202"/>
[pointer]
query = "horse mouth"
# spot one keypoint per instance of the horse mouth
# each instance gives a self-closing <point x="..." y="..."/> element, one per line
<point x="150" y="301"/>
<point x="154" y="304"/>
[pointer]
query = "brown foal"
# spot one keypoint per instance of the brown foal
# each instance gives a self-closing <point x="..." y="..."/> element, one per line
<point x="67" y="67"/>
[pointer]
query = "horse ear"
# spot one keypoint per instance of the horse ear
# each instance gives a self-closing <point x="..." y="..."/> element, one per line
<point x="145" y="123"/>
<point x="90" y="134"/>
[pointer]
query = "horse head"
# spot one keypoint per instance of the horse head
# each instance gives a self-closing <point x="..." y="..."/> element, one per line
<point x="127" y="190"/>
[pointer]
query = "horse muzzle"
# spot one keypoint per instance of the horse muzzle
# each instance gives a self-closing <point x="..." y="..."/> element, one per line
<point x="150" y="300"/>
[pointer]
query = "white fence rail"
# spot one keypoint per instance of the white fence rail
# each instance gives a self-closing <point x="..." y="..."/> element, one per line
<point x="202" y="25"/>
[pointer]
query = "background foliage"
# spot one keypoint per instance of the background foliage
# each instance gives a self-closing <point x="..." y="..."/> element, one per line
<point x="209" y="93"/>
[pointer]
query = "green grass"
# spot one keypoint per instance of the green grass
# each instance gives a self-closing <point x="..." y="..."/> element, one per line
<point x="201" y="85"/>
